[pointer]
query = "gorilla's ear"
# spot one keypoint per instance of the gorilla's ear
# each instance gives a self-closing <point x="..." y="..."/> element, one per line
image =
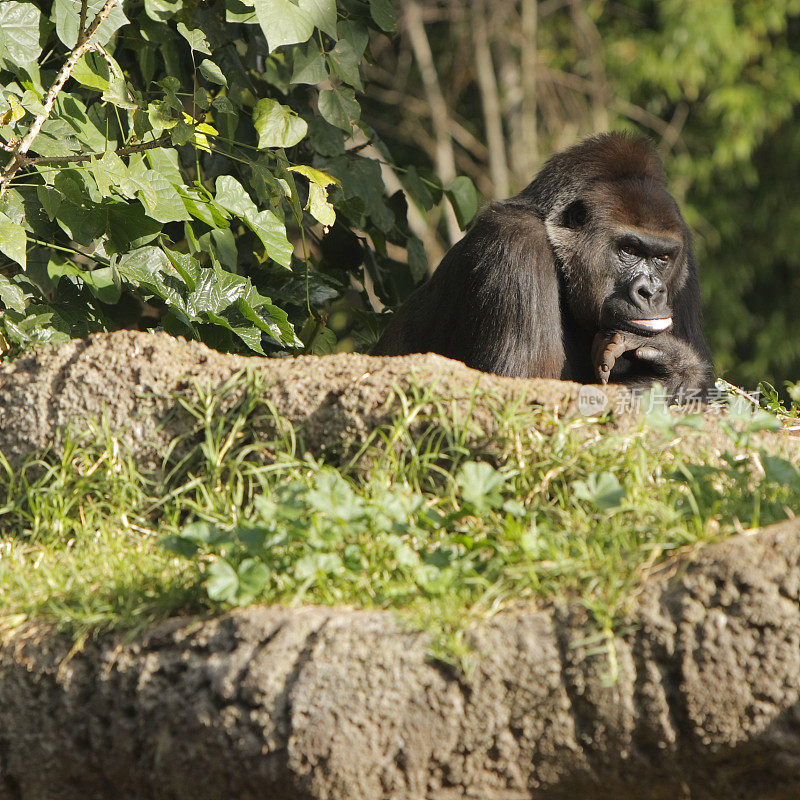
<point x="574" y="215"/>
<point x="687" y="313"/>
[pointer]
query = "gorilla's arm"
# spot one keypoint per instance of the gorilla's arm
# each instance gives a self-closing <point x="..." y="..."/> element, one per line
<point x="493" y="302"/>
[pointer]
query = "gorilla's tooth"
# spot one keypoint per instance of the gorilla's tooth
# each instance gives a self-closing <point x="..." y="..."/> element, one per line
<point x="654" y="324"/>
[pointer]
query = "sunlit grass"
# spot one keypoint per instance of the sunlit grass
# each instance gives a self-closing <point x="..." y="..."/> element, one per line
<point x="430" y="517"/>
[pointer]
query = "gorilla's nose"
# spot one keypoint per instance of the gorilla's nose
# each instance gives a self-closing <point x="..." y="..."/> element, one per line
<point x="647" y="292"/>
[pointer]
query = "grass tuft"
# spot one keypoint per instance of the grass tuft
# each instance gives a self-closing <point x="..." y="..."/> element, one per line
<point x="430" y="517"/>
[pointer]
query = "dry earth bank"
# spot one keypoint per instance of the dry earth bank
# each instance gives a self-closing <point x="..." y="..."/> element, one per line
<point x="339" y="704"/>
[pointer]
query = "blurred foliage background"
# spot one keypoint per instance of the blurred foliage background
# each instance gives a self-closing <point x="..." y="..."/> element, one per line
<point x="271" y="175"/>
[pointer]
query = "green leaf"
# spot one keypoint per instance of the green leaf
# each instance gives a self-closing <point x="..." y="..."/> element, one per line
<point x="11" y="296"/>
<point x="128" y="227"/>
<point x="346" y="56"/>
<point x="272" y="232"/>
<point x="196" y="38"/>
<point x="416" y="187"/>
<point x="309" y="65"/>
<point x="277" y="125"/>
<point x="324" y="138"/>
<point x="186" y="266"/>
<point x="417" y="259"/>
<point x="67" y="18"/>
<point x="211" y="72"/>
<point x="161" y="10"/>
<point x="254" y="577"/>
<point x="779" y="470"/>
<point x="161" y="198"/>
<point x="178" y="546"/>
<point x="222" y="582"/>
<point x="111" y="173"/>
<point x="463" y="196"/>
<point x="19" y="32"/>
<point x="364" y="190"/>
<point x="231" y="195"/>
<point x="323" y="343"/>
<point x="13" y="240"/>
<point x="317" y="564"/>
<point x="339" y="107"/>
<point x="286" y="22"/>
<point x="92" y="72"/>
<point x="602" y="490"/>
<point x="104" y="283"/>
<point x="162" y="116"/>
<point x="382" y="11"/>
<point x="480" y="483"/>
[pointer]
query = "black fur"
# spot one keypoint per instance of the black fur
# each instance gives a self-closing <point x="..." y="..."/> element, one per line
<point x="539" y="277"/>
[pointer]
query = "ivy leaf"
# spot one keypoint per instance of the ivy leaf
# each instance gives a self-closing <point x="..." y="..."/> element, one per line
<point x="287" y="22"/>
<point x="382" y="11"/>
<point x="272" y="232"/>
<point x="211" y="72"/>
<point x="277" y="125"/>
<point x="463" y="196"/>
<point x="231" y="195"/>
<point x="309" y="65"/>
<point x="196" y="38"/>
<point x="19" y="32"/>
<point x="11" y="296"/>
<point x="67" y="18"/>
<point x="339" y="107"/>
<point x="12" y="240"/>
<point x="318" y="204"/>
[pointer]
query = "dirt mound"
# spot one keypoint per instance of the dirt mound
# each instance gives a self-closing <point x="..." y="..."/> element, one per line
<point x="342" y="704"/>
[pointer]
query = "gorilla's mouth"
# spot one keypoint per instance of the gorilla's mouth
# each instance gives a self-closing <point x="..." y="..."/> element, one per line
<point x="653" y="325"/>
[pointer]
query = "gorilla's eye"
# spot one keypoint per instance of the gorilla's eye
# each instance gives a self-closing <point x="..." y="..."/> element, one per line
<point x="575" y="214"/>
<point x="628" y="252"/>
<point x="663" y="259"/>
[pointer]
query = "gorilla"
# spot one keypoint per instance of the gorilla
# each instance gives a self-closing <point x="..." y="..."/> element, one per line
<point x="588" y="274"/>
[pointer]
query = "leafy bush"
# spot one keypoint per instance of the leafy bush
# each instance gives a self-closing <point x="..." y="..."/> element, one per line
<point x="201" y="167"/>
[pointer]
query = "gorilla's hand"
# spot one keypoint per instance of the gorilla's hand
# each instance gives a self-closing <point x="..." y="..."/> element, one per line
<point x="642" y="360"/>
<point x="608" y="346"/>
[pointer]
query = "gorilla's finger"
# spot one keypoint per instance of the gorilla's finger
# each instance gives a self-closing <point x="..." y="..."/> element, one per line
<point x="652" y="354"/>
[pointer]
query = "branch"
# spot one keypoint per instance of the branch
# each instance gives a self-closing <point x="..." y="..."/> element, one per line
<point x="490" y="100"/>
<point x="122" y="151"/>
<point x="85" y="42"/>
<point x="445" y="157"/>
<point x="528" y="66"/>
<point x="590" y="44"/>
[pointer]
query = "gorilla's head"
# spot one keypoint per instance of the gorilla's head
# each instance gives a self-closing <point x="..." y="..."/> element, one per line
<point x="620" y="241"/>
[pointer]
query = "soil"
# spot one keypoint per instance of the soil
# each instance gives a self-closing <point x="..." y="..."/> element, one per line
<point x="340" y="704"/>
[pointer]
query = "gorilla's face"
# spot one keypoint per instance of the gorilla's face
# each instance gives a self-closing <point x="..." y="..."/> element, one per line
<point x="622" y="248"/>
